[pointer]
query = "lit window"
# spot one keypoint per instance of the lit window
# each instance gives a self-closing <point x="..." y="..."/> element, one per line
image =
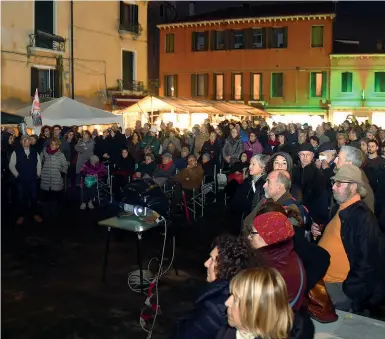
<point x="317" y="84"/>
<point x="237" y="87"/>
<point x="170" y="85"/>
<point x="218" y="86"/>
<point x="256" y="86"/>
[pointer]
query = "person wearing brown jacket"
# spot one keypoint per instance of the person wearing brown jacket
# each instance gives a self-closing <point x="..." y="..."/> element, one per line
<point x="186" y="180"/>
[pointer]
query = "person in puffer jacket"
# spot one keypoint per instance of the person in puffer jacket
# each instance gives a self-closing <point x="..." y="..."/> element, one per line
<point x="92" y="170"/>
<point x="232" y="149"/>
<point x="252" y="146"/>
<point x="54" y="165"/>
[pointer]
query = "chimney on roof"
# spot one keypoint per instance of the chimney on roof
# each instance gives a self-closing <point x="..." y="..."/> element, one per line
<point x="380" y="46"/>
<point x="191" y="8"/>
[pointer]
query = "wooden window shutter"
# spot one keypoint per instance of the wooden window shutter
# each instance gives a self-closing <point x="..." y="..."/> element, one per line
<point x="213" y="42"/>
<point x="193" y="41"/>
<point x="281" y="83"/>
<point x="232" y="86"/>
<point x="215" y="86"/>
<point x="252" y="86"/>
<point x="270" y="42"/>
<point x="121" y="12"/>
<point x="264" y="37"/>
<point x="242" y="89"/>
<point x="175" y="86"/>
<point x="34" y="80"/>
<point x="229" y="39"/>
<point x="248" y="33"/>
<point x="349" y="81"/>
<point x="313" y="77"/>
<point x="206" y="35"/>
<point x="193" y="85"/>
<point x="206" y="82"/>
<point x="324" y="84"/>
<point x="56" y="84"/>
<point x="135" y="15"/>
<point x="165" y="86"/>
<point x="285" y="37"/>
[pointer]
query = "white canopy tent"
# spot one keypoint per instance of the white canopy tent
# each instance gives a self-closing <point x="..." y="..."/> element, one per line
<point x="67" y="112"/>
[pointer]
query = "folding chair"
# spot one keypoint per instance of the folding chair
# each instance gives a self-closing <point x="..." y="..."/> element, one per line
<point x="209" y="184"/>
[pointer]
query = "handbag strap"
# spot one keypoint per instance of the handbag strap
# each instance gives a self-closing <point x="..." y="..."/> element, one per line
<point x="294" y="301"/>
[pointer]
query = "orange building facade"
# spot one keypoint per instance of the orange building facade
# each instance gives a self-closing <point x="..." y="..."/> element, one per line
<point x="281" y="63"/>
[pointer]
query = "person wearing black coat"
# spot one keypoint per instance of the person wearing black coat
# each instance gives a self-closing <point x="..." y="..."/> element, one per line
<point x="229" y="256"/>
<point x="124" y="167"/>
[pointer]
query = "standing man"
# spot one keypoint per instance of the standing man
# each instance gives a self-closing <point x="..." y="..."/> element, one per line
<point x="25" y="165"/>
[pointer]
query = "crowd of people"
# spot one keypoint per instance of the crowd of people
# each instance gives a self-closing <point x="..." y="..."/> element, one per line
<point x="308" y="209"/>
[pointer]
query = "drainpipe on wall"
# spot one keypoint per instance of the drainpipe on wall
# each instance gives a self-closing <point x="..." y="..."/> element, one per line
<point x="72" y="52"/>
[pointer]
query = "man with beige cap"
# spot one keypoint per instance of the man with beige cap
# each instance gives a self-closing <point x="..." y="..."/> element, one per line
<point x="355" y="277"/>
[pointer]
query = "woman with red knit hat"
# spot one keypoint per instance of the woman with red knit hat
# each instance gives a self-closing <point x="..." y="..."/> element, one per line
<point x="272" y="234"/>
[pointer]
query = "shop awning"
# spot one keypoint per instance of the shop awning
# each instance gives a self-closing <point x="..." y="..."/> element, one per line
<point x="11" y="119"/>
<point x="181" y="105"/>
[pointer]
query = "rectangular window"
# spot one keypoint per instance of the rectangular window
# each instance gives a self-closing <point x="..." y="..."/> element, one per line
<point x="199" y="85"/>
<point x="218" y="40"/>
<point x="46" y="81"/>
<point x="128" y="69"/>
<point x="317" y="36"/>
<point x="259" y="38"/>
<point x="129" y="15"/>
<point x="170" y="85"/>
<point x="44" y="21"/>
<point x="278" y="37"/>
<point x="200" y="41"/>
<point x="318" y="82"/>
<point x="219" y="86"/>
<point x="238" y="39"/>
<point x="277" y="85"/>
<point x="346" y="82"/>
<point x="170" y="43"/>
<point x="237" y="86"/>
<point x="256" y="86"/>
<point x="379" y="82"/>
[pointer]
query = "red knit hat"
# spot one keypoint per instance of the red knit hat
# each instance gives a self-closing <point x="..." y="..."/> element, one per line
<point x="273" y="227"/>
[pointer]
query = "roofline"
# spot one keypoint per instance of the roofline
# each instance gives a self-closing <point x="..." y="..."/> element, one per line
<point x="247" y="20"/>
<point x="358" y="55"/>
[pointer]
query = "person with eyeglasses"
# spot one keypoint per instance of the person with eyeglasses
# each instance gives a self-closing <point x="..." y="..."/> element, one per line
<point x="355" y="278"/>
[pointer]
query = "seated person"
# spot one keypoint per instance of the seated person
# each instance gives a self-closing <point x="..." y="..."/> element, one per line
<point x="208" y="165"/>
<point x="92" y="170"/>
<point x="181" y="160"/>
<point x="124" y="168"/>
<point x="272" y="234"/>
<point x="173" y="150"/>
<point x="147" y="167"/>
<point x="229" y="256"/>
<point x="165" y="170"/>
<point x="187" y="179"/>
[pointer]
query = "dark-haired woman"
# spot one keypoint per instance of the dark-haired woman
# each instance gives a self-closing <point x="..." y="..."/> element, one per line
<point x="124" y="168"/>
<point x="229" y="256"/>
<point x="45" y="134"/>
<point x="272" y="144"/>
<point x="133" y="147"/>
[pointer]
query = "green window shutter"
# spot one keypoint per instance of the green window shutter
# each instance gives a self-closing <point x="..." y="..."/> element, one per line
<point x="270" y="42"/>
<point x="285" y="37"/>
<point x="264" y="37"/>
<point x="34" y="80"/>
<point x="242" y="89"/>
<point x="213" y="38"/>
<point x="193" y="44"/>
<point x="206" y="85"/>
<point x="281" y="85"/>
<point x="175" y="85"/>
<point x="313" y="84"/>
<point x="206" y="34"/>
<point x="324" y="84"/>
<point x="121" y="12"/>
<point x="346" y="82"/>
<point x="379" y="82"/>
<point x="165" y="86"/>
<point x="172" y="43"/>
<point x="193" y="85"/>
<point x="230" y="39"/>
<point x="350" y="82"/>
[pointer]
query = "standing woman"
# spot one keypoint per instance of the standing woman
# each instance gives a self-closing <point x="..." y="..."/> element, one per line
<point x="71" y="139"/>
<point x="85" y="149"/>
<point x="54" y="164"/>
<point x="232" y="149"/>
<point x="45" y="134"/>
<point x="272" y="144"/>
<point x="134" y="147"/>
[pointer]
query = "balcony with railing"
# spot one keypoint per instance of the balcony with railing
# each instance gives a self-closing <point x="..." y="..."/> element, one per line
<point x="46" y="41"/>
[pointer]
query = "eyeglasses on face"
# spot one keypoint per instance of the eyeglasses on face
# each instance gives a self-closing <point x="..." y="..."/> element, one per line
<point x="338" y="183"/>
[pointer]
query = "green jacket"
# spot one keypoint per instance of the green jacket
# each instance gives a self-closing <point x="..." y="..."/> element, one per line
<point x="151" y="141"/>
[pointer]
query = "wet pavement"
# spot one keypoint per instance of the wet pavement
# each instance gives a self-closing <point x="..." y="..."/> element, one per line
<point x="51" y="276"/>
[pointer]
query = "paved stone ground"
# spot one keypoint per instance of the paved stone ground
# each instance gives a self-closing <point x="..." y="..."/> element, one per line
<point x="51" y="276"/>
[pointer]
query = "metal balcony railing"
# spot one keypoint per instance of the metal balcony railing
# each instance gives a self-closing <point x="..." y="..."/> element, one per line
<point x="132" y="85"/>
<point x="130" y="27"/>
<point x="47" y="41"/>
